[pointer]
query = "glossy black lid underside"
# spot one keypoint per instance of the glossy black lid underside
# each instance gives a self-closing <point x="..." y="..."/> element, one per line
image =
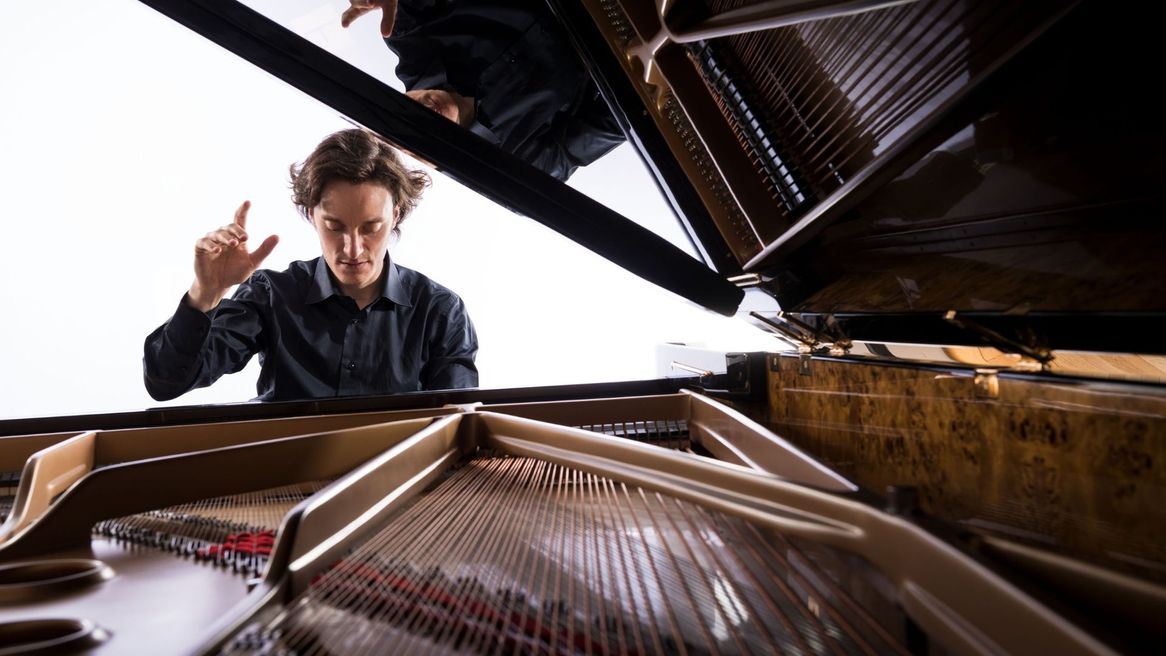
<point x="498" y="175"/>
<point x="1028" y="201"/>
<point x="1048" y="200"/>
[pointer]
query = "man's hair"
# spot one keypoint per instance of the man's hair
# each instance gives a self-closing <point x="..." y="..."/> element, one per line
<point x="356" y="156"/>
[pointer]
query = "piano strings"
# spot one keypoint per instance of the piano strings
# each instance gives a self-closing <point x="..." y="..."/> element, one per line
<point x="814" y="103"/>
<point x="236" y="531"/>
<point x="518" y="555"/>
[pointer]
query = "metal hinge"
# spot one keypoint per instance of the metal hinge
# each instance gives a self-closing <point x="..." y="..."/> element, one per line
<point x="807" y="338"/>
<point x="703" y="373"/>
<point x="987" y="384"/>
<point x="1031" y="356"/>
<point x="747" y="280"/>
<point x="744" y="376"/>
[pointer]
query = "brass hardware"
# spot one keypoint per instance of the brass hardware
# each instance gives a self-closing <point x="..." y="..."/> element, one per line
<point x="809" y="330"/>
<point x="1038" y="357"/>
<point x="1025" y="363"/>
<point x="985" y="381"/>
<point x="746" y="280"/>
<point x="703" y="373"/>
<point x="987" y="384"/>
<point x="787" y="332"/>
<point x="807" y="338"/>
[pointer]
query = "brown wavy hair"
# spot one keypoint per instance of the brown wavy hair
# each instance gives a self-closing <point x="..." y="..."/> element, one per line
<point x="356" y="156"/>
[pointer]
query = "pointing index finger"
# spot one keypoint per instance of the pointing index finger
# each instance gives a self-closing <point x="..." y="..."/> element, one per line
<point x="241" y="214"/>
<point x="352" y="13"/>
<point x="388" y="17"/>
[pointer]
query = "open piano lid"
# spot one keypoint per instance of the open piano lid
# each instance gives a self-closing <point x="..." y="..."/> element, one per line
<point x="470" y="160"/>
<point x="973" y="172"/>
<point x="940" y="171"/>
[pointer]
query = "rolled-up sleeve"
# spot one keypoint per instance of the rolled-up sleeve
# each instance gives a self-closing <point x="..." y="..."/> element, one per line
<point x="193" y="349"/>
<point x="452" y="347"/>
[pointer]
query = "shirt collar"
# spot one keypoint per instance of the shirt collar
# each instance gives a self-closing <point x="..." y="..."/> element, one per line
<point x="323" y="287"/>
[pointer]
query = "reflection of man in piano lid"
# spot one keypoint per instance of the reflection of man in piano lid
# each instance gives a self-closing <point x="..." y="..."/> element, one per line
<point x="505" y="70"/>
<point x="349" y="322"/>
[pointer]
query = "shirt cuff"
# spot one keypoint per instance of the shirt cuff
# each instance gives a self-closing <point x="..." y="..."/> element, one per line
<point x="188" y="328"/>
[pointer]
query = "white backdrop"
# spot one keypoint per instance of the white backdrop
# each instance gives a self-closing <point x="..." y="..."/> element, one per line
<point x="124" y="137"/>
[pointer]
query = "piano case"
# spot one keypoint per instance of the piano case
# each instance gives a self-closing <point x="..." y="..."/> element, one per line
<point x="949" y="211"/>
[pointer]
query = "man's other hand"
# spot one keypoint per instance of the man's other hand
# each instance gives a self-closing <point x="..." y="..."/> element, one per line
<point x="455" y="107"/>
<point x="359" y="8"/>
<point x="221" y="260"/>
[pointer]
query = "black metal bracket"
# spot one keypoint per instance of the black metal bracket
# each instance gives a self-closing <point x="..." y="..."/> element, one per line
<point x="744" y="378"/>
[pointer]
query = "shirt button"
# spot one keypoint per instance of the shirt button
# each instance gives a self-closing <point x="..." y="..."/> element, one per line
<point x="351" y="365"/>
<point x="355" y="321"/>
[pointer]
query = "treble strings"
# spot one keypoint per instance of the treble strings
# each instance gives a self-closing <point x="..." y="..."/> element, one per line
<point x="236" y="530"/>
<point x="666" y="433"/>
<point x="9" y="483"/>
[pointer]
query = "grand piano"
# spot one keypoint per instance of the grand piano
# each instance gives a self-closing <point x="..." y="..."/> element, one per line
<point x="951" y="209"/>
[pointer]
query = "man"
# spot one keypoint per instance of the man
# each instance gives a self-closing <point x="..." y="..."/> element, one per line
<point x="349" y="322"/>
<point x="505" y="70"/>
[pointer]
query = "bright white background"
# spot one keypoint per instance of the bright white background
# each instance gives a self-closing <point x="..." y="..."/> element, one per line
<point x="124" y="137"/>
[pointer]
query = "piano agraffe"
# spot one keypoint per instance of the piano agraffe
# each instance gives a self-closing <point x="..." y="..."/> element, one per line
<point x="954" y="203"/>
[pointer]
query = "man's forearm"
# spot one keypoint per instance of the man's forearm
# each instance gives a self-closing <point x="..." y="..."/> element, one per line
<point x="172" y="359"/>
<point x="202" y="299"/>
<point x="452" y="373"/>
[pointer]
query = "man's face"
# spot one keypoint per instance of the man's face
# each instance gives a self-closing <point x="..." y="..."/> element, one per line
<point x="354" y="222"/>
<point x="441" y="102"/>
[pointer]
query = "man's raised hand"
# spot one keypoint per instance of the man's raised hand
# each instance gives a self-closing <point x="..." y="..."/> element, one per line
<point x="361" y="7"/>
<point x="221" y="260"/>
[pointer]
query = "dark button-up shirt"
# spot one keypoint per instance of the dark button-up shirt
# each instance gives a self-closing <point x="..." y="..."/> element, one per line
<point x="313" y="342"/>
<point x="534" y="98"/>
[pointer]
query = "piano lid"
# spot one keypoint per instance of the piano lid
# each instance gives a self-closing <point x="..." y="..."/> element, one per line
<point x="943" y="171"/>
<point x="937" y="171"/>
<point x="472" y="161"/>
